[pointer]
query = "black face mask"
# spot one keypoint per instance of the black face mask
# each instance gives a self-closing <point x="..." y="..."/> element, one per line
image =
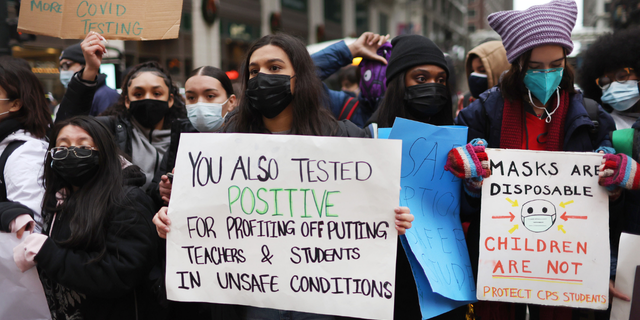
<point x="77" y="171"/>
<point x="478" y="85"/>
<point x="270" y="94"/>
<point x="427" y="99"/>
<point x="148" y="112"/>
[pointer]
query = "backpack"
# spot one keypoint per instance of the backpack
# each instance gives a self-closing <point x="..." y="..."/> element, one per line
<point x="13" y="145"/>
<point x="373" y="76"/>
<point x="348" y="109"/>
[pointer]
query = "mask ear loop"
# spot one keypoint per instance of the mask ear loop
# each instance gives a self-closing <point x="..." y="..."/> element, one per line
<point x="549" y="114"/>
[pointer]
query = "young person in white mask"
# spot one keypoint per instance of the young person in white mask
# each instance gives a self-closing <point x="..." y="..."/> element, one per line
<point x="209" y="98"/>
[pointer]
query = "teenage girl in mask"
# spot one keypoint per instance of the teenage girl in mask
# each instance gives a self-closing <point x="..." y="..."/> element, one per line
<point x="284" y="96"/>
<point x="141" y="119"/>
<point x="209" y="98"/>
<point x="535" y="107"/>
<point x="24" y="121"/>
<point x="417" y="89"/>
<point x="98" y="242"/>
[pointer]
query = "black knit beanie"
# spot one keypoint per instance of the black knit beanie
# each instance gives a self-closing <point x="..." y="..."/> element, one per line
<point x="73" y="53"/>
<point x="413" y="50"/>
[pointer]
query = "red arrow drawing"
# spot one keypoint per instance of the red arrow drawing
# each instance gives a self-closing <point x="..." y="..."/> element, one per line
<point x="510" y="217"/>
<point x="565" y="217"/>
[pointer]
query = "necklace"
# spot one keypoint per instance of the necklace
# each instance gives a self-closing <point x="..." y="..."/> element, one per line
<point x="549" y="114"/>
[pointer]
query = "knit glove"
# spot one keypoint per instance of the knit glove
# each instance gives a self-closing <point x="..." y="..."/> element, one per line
<point x="470" y="162"/>
<point x="619" y="170"/>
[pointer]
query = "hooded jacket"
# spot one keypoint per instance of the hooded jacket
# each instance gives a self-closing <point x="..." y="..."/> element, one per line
<point x="493" y="57"/>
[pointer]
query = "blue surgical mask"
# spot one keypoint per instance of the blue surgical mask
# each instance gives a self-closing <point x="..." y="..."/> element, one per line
<point x="621" y="96"/>
<point x="206" y="117"/>
<point x="543" y="82"/>
<point x="65" y="77"/>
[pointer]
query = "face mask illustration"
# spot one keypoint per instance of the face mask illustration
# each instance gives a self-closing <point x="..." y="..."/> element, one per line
<point x="538" y="215"/>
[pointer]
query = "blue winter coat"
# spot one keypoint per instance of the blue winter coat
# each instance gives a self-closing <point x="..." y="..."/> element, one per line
<point x="328" y="61"/>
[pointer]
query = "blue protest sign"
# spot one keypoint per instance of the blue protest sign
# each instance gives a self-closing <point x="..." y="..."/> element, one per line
<point x="435" y="245"/>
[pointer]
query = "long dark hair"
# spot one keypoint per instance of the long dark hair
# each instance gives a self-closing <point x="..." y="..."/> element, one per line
<point x="310" y="114"/>
<point x="393" y="106"/>
<point x="178" y="109"/>
<point x="20" y="83"/>
<point x="512" y="84"/>
<point x="89" y="208"/>
<point x="215" y="73"/>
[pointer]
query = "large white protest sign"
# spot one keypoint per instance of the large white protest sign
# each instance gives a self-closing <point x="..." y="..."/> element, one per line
<point x="287" y="222"/>
<point x="544" y="236"/>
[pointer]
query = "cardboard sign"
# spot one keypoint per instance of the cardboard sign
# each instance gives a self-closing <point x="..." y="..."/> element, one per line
<point x="435" y="244"/>
<point x="285" y="222"/>
<point x="626" y="275"/>
<point x="124" y="20"/>
<point x="543" y="230"/>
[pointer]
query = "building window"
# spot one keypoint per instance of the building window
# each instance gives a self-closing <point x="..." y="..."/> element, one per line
<point x="297" y="5"/>
<point x="384" y="24"/>
<point x="472" y="28"/>
<point x="471" y="13"/>
<point x="362" y="16"/>
<point x="333" y="11"/>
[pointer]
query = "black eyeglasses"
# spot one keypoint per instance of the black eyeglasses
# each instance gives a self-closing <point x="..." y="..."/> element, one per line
<point x="621" y="76"/>
<point x="60" y="153"/>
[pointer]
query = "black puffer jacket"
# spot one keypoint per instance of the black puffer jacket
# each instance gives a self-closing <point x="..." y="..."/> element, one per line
<point x="115" y="286"/>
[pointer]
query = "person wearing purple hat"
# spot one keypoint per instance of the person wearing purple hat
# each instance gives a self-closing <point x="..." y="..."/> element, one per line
<point x="535" y="107"/>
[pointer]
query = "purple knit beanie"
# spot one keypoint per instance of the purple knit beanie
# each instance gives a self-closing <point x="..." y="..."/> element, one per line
<point x="539" y="25"/>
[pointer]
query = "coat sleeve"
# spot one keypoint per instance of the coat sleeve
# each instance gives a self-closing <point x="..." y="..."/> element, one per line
<point x="131" y="252"/>
<point x="23" y="175"/>
<point x="605" y="127"/>
<point x="330" y="59"/>
<point x="78" y="98"/>
<point x="475" y="119"/>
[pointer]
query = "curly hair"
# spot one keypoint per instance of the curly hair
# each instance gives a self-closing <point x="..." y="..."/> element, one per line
<point x="608" y="53"/>
<point x="178" y="109"/>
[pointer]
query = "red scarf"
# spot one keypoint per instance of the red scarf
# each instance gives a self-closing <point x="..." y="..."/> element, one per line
<point x="513" y="122"/>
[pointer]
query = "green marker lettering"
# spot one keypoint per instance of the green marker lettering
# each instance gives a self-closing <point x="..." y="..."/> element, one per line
<point x="328" y="205"/>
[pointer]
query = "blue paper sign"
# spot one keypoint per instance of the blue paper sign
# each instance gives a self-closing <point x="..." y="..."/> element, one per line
<point x="435" y="244"/>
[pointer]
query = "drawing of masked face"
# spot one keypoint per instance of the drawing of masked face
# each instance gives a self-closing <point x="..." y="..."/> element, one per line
<point x="538" y="215"/>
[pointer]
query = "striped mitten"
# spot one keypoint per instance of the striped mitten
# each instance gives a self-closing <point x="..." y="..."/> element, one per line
<point x="620" y="170"/>
<point x="470" y="162"/>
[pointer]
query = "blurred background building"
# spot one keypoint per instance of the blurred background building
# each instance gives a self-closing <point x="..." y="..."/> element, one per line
<point x="219" y="32"/>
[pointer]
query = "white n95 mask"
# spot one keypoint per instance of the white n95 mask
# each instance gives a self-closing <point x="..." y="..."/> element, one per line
<point x="206" y="117"/>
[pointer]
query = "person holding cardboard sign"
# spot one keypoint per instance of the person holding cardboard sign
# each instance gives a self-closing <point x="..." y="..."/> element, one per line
<point x="141" y="119"/>
<point x="535" y="107"/>
<point x="284" y="96"/>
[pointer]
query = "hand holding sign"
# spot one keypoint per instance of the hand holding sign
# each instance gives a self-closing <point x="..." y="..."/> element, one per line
<point x="162" y="222"/>
<point x="93" y="47"/>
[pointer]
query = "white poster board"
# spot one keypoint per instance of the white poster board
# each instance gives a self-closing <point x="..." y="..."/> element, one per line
<point x="628" y="260"/>
<point x="544" y="236"/>
<point x="286" y="222"/>
<point x="22" y="293"/>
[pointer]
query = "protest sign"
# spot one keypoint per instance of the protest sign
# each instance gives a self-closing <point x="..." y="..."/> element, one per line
<point x="435" y="245"/>
<point x="286" y="222"/>
<point x="22" y="293"/>
<point x="124" y="20"/>
<point x="626" y="275"/>
<point x="543" y="230"/>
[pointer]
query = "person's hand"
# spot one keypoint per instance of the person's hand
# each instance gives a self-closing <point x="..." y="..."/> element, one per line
<point x="165" y="187"/>
<point x="367" y="45"/>
<point x="619" y="170"/>
<point x="162" y="222"/>
<point x="469" y="161"/>
<point x="617" y="293"/>
<point x="26" y="227"/>
<point x="403" y="219"/>
<point x="93" y="48"/>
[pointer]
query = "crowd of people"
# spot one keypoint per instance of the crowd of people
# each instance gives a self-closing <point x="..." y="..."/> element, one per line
<point x="89" y="192"/>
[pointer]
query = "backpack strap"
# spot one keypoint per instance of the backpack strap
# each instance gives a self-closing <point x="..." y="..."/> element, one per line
<point x="3" y="161"/>
<point x="348" y="109"/>
<point x="592" y="110"/>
